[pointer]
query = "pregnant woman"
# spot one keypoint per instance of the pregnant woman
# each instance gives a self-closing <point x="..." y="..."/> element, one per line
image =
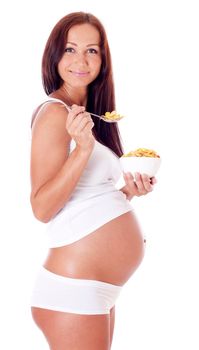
<point x="95" y="243"/>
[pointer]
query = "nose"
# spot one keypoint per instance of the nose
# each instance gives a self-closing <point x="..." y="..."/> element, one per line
<point x="81" y="59"/>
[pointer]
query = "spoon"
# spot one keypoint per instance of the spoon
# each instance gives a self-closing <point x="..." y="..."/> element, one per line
<point x="109" y="117"/>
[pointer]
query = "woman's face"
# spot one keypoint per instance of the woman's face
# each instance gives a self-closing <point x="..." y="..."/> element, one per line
<point x="81" y="62"/>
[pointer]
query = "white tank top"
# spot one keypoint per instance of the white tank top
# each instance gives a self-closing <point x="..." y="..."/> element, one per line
<point x="94" y="201"/>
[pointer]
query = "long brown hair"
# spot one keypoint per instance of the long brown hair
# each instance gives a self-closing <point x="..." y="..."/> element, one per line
<point x="101" y="95"/>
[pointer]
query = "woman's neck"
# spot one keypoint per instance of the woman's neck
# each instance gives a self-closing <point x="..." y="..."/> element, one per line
<point x="71" y="96"/>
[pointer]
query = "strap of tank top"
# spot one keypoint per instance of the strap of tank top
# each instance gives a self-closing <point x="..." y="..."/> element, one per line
<point x="50" y="99"/>
<point x="53" y="99"/>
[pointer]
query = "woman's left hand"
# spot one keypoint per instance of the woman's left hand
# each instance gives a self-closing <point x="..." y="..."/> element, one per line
<point x="138" y="186"/>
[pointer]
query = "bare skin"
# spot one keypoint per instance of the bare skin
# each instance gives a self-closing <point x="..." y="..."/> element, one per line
<point x="110" y="254"/>
<point x="114" y="251"/>
<point x="65" y="331"/>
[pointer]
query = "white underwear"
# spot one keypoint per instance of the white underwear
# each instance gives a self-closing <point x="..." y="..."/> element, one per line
<point x="79" y="296"/>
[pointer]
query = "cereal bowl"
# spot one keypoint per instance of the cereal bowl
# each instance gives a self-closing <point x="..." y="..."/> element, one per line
<point x="145" y="162"/>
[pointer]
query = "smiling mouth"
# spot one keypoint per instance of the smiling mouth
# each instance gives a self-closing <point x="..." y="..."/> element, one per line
<point x="79" y="73"/>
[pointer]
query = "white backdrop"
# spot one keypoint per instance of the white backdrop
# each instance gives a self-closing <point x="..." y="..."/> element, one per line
<point x="155" y="55"/>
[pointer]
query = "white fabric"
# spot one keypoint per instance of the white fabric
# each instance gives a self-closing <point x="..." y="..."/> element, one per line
<point x="95" y="200"/>
<point x="79" y="296"/>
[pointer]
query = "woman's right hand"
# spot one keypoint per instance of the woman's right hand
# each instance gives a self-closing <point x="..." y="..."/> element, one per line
<point x="79" y="125"/>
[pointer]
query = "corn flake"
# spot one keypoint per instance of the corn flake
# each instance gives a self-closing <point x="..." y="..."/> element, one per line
<point x="113" y="115"/>
<point x="142" y="152"/>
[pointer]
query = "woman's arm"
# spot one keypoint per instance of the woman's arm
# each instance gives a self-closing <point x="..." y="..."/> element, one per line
<point x="138" y="186"/>
<point x="54" y="173"/>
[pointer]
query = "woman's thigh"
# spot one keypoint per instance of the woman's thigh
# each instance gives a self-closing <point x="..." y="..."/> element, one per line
<point x="65" y="331"/>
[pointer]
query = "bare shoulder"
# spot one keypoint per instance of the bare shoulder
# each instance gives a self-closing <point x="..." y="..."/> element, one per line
<point x="49" y="114"/>
<point x="50" y="143"/>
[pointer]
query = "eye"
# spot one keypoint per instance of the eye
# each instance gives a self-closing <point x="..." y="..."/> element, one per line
<point x="69" y="50"/>
<point x="92" y="51"/>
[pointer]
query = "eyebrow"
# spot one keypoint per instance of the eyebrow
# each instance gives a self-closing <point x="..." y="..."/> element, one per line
<point x="69" y="42"/>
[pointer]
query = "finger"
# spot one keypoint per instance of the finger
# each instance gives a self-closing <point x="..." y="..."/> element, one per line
<point x="84" y="125"/>
<point x="130" y="183"/>
<point x="74" y="118"/>
<point x="128" y="176"/>
<point x="146" y="182"/>
<point x="153" y="180"/>
<point x="74" y="106"/>
<point x="81" y="120"/>
<point x="139" y="183"/>
<point x="89" y="127"/>
<point x="75" y="111"/>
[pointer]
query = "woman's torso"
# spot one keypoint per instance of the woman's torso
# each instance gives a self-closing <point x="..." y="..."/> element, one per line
<point x="96" y="235"/>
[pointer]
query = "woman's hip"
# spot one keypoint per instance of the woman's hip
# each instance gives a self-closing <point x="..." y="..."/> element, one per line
<point x="80" y="296"/>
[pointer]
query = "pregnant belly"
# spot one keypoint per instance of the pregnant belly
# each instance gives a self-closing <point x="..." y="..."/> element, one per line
<point x="110" y="254"/>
